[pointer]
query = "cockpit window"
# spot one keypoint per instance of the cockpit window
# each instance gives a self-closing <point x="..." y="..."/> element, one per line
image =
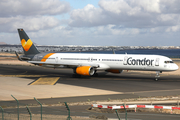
<point x="168" y="61"/>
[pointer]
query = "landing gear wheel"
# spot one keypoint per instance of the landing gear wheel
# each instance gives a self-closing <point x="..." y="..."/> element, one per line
<point x="156" y="79"/>
<point x="157" y="75"/>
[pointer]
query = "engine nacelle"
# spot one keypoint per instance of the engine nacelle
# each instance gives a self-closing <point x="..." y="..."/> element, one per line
<point x="85" y="70"/>
<point x="114" y="71"/>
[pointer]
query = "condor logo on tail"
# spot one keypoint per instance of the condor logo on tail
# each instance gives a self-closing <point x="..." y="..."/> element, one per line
<point x="26" y="45"/>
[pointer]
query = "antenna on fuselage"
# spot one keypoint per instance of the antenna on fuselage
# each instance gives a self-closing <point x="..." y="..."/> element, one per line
<point x="113" y="51"/>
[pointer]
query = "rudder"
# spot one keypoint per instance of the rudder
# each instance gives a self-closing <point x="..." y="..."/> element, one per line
<point x="27" y="44"/>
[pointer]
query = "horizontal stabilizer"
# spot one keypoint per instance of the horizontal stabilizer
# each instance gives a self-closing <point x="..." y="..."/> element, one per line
<point x="18" y="56"/>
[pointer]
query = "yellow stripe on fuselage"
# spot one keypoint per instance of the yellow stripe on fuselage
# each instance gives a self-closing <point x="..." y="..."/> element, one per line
<point x="46" y="57"/>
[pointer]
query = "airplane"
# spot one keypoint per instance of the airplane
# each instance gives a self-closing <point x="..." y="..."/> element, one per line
<point x="88" y="64"/>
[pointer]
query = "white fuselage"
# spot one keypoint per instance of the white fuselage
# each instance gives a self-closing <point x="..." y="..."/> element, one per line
<point x="115" y="61"/>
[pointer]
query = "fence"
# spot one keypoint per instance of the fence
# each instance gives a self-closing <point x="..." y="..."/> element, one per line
<point x="29" y="112"/>
<point x="9" y="116"/>
<point x="37" y="112"/>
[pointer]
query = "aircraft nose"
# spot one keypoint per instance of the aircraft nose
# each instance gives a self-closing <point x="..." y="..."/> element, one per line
<point x="175" y="67"/>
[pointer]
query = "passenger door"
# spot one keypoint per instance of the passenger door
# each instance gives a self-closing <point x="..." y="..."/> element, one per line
<point x="56" y="59"/>
<point x="157" y="62"/>
<point x="125" y="60"/>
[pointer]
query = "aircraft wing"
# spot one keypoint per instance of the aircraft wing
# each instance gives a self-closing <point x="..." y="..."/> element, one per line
<point x="72" y="64"/>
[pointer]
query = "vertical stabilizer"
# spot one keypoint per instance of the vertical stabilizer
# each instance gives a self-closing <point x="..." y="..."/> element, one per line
<point x="26" y="43"/>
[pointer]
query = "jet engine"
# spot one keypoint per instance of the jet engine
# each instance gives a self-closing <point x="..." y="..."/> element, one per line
<point x="85" y="70"/>
<point x="114" y="71"/>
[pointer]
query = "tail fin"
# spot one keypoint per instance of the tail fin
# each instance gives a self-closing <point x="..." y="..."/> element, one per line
<point x="26" y="43"/>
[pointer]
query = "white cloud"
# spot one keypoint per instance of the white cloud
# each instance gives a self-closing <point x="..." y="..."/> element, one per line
<point x="146" y="5"/>
<point x="113" y="30"/>
<point x="29" y="23"/>
<point x="154" y="30"/>
<point x="32" y="7"/>
<point x="114" y="6"/>
<point x="170" y="6"/>
<point x="127" y="13"/>
<point x="88" y="16"/>
<point x="30" y="14"/>
<point x="173" y="28"/>
<point x="166" y="17"/>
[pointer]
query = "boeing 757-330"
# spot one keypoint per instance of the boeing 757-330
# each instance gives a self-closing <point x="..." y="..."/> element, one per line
<point x="88" y="64"/>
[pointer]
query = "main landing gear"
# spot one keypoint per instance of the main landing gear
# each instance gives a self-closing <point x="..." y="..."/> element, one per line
<point x="157" y="75"/>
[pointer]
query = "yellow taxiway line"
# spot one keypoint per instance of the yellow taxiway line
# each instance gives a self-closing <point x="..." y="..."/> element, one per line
<point x="46" y="81"/>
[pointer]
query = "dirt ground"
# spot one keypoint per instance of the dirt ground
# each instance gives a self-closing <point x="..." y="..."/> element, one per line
<point x="45" y="117"/>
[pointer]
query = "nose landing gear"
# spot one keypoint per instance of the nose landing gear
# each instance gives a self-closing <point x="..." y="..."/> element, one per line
<point x="157" y="75"/>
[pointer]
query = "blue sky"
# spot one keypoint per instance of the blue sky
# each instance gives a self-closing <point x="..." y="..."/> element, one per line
<point x="92" y="22"/>
<point x="79" y="4"/>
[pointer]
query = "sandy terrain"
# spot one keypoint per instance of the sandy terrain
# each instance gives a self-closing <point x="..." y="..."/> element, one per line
<point x="6" y="54"/>
<point x="14" y="62"/>
<point x="11" y="59"/>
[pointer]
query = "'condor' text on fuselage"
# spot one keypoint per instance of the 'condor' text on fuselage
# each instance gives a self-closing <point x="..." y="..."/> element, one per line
<point x="143" y="62"/>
